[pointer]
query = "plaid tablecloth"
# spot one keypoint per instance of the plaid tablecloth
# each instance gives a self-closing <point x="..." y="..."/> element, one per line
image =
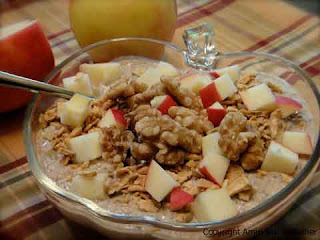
<point x="254" y="25"/>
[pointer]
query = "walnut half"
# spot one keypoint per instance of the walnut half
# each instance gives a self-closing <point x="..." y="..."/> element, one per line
<point x="143" y="151"/>
<point x="152" y="128"/>
<point x="171" y="156"/>
<point x="234" y="138"/>
<point x="254" y="155"/>
<point x="184" y="96"/>
<point x="191" y="119"/>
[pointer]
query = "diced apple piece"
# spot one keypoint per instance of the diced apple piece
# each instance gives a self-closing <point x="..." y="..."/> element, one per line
<point x="86" y="147"/>
<point x="167" y="69"/>
<point x="153" y="74"/>
<point x="287" y="105"/>
<point x="214" y="167"/>
<point x="91" y="187"/>
<point x="179" y="199"/>
<point x="216" y="105"/>
<point x="150" y="77"/>
<point x="225" y="86"/>
<point x="298" y="142"/>
<point x="258" y="98"/>
<point x="102" y="73"/>
<point x="79" y="83"/>
<point x="157" y="100"/>
<point x="233" y="71"/>
<point x="163" y="103"/>
<point x="214" y="74"/>
<point x="210" y="144"/>
<point x="158" y="182"/>
<point x="213" y="205"/>
<point x="209" y="95"/>
<point x="60" y="107"/>
<point x="280" y="159"/>
<point x="216" y="113"/>
<point x="195" y="81"/>
<point x="218" y="90"/>
<point x="75" y="111"/>
<point x="113" y="117"/>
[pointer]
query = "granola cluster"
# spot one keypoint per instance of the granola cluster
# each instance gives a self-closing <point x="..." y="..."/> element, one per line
<point x="173" y="140"/>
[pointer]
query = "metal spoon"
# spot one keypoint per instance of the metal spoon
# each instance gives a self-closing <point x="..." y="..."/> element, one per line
<point x="11" y="80"/>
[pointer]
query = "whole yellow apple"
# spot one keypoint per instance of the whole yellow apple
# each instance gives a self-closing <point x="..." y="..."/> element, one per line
<point x="96" y="20"/>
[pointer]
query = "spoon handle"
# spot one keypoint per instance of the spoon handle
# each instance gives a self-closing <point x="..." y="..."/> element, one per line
<point x="34" y="86"/>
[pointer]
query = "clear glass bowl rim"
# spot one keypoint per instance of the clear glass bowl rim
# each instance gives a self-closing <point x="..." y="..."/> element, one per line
<point x="92" y="207"/>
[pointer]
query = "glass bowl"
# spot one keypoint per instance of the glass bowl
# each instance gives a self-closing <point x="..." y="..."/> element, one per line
<point x="201" y="54"/>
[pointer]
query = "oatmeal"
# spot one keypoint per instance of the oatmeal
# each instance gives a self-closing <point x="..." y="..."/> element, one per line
<point x="173" y="144"/>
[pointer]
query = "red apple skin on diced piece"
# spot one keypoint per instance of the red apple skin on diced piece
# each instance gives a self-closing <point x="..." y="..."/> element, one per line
<point x="166" y="104"/>
<point x="287" y="105"/>
<point x="179" y="199"/>
<point x="218" y="90"/>
<point x="195" y="81"/>
<point x="216" y="113"/>
<point x="25" y="52"/>
<point x="206" y="173"/>
<point x="158" y="183"/>
<point x="214" y="74"/>
<point x="214" y="167"/>
<point x="209" y="95"/>
<point x="113" y="117"/>
<point x="119" y="117"/>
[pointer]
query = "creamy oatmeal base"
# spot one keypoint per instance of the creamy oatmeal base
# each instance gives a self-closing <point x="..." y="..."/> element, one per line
<point x="174" y="140"/>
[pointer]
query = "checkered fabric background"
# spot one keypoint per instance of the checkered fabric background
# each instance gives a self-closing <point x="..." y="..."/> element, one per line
<point x="271" y="26"/>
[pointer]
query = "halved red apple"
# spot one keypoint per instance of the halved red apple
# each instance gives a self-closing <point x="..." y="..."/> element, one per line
<point x="24" y="51"/>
